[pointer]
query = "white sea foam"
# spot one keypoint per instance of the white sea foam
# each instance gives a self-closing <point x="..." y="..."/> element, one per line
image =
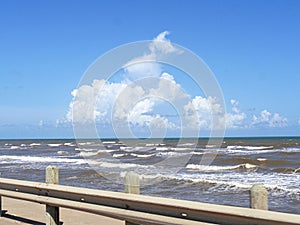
<point x="210" y="146"/>
<point x="261" y="159"/>
<point x="118" y="155"/>
<point x="88" y="154"/>
<point x="135" y="149"/>
<point x="142" y="155"/>
<point x="255" y="152"/>
<point x="92" y="153"/>
<point x="239" y="147"/>
<point x="170" y="154"/>
<point x="62" y="153"/>
<point x="54" y="145"/>
<point x="108" y="142"/>
<point x="187" y="144"/>
<point x="125" y="148"/>
<point x="14" y="147"/>
<point x="34" y="159"/>
<point x="219" y="168"/>
<point x="162" y="148"/>
<point x="122" y="165"/>
<point x="197" y="153"/>
<point x="85" y="143"/>
<point x="235" y="181"/>
<point x="69" y="144"/>
<point x="180" y="149"/>
<point x="35" y="144"/>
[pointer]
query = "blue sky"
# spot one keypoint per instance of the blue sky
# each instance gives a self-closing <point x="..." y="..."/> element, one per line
<point x="252" y="47"/>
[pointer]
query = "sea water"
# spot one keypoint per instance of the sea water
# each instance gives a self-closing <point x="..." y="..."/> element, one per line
<point x="170" y="168"/>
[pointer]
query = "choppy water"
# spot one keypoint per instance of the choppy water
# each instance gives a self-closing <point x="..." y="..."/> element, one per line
<point x="170" y="168"/>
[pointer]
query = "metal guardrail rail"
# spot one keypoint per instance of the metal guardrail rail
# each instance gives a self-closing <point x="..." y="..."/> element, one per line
<point x="140" y="209"/>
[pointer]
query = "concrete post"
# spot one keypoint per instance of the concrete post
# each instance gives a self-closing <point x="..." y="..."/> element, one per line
<point x="132" y="186"/>
<point x="258" y="197"/>
<point x="52" y="212"/>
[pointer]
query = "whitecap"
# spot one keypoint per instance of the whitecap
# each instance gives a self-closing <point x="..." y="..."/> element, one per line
<point x="41" y="159"/>
<point x="116" y="155"/>
<point x="240" y="147"/>
<point x="62" y="153"/>
<point x="261" y="159"/>
<point x="54" y="145"/>
<point x="122" y="165"/>
<point x="219" y="168"/>
<point x="142" y="156"/>
<point x="187" y="144"/>
<point x="108" y="142"/>
<point x="162" y="148"/>
<point x="180" y="149"/>
<point x="35" y="144"/>
<point x="69" y="144"/>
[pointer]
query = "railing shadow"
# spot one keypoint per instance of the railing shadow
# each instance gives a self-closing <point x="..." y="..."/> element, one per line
<point x="23" y="220"/>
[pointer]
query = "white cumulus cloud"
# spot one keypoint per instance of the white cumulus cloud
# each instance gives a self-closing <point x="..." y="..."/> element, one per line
<point x="209" y="108"/>
<point x="162" y="46"/>
<point x="146" y="87"/>
<point x="201" y="111"/>
<point x="269" y="120"/>
<point x="236" y="119"/>
<point x="102" y="102"/>
<point x="85" y="108"/>
<point x="147" y="65"/>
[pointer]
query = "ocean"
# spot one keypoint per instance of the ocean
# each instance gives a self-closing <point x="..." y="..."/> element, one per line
<point x="190" y="169"/>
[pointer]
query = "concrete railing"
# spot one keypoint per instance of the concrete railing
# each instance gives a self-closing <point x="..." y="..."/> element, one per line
<point x="139" y="209"/>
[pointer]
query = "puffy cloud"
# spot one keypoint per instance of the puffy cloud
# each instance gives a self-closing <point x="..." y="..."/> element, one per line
<point x="142" y="115"/>
<point x="162" y="46"/>
<point x="299" y="121"/>
<point x="167" y="88"/>
<point x="102" y="102"/>
<point x="146" y="87"/>
<point x="236" y="118"/>
<point x="268" y="119"/>
<point x="137" y="101"/>
<point x="41" y="123"/>
<point x="201" y="111"/>
<point x="147" y="65"/>
<point x="130" y="101"/>
<point x="209" y="108"/>
<point x="142" y="70"/>
<point x="85" y="107"/>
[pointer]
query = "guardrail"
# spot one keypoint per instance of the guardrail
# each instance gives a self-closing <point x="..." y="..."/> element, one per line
<point x="138" y="209"/>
